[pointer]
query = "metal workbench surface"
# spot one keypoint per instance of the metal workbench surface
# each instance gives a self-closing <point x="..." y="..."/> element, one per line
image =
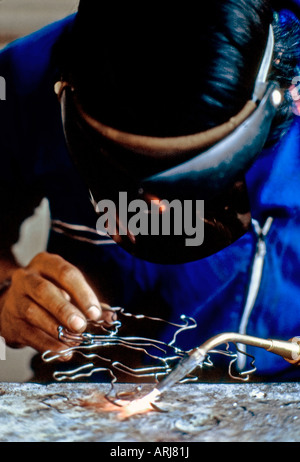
<point x="241" y="412"/>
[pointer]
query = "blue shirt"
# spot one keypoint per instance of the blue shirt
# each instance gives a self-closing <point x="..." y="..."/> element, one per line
<point x="35" y="164"/>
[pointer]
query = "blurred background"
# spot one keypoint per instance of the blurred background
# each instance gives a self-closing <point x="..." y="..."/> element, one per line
<point x="21" y="17"/>
<point x="17" y="19"/>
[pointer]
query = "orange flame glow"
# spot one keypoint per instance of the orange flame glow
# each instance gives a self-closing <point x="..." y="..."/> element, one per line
<point x="139" y="406"/>
<point x="124" y="408"/>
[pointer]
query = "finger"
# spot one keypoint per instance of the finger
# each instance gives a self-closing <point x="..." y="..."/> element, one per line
<point x="49" y="297"/>
<point x="40" y="341"/>
<point x="40" y="318"/>
<point x="71" y="280"/>
<point x="66" y="295"/>
<point x="109" y="314"/>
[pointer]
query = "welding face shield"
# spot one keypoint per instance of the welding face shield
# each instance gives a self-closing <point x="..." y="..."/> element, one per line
<point x="171" y="200"/>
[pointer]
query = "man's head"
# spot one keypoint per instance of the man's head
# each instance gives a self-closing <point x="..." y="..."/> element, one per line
<point x="167" y="71"/>
<point x="171" y="74"/>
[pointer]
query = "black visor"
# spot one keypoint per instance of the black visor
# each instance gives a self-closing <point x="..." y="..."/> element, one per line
<point x="215" y="176"/>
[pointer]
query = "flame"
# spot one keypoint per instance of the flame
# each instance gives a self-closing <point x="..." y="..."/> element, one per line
<point x="139" y="406"/>
<point x="124" y="408"/>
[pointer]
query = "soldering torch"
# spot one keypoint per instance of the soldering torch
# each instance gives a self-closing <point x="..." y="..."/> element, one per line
<point x="289" y="350"/>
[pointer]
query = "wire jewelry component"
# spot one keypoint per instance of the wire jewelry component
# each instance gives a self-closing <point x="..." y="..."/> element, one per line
<point x="160" y="358"/>
<point x="92" y="348"/>
<point x="165" y="364"/>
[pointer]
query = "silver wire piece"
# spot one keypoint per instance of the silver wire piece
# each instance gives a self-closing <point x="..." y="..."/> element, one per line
<point x="160" y="358"/>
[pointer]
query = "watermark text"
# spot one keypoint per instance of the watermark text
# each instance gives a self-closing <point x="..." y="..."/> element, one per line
<point x="157" y="217"/>
<point x="2" y="89"/>
<point x="2" y="349"/>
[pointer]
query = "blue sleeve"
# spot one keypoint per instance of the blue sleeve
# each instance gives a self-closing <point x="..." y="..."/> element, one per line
<point x="17" y="201"/>
<point x="28" y="126"/>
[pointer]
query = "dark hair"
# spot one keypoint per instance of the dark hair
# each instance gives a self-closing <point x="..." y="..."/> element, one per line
<point x="285" y="67"/>
<point x="170" y="73"/>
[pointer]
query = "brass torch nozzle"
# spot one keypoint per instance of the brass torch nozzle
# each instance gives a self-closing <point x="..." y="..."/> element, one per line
<point x="288" y="350"/>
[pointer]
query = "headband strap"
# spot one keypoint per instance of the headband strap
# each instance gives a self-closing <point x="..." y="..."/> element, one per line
<point x="156" y="147"/>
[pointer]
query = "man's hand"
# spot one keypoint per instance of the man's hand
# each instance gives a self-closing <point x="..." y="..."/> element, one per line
<point x="48" y="293"/>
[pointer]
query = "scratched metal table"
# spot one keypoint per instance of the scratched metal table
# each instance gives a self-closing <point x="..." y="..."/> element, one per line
<point x="193" y="413"/>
